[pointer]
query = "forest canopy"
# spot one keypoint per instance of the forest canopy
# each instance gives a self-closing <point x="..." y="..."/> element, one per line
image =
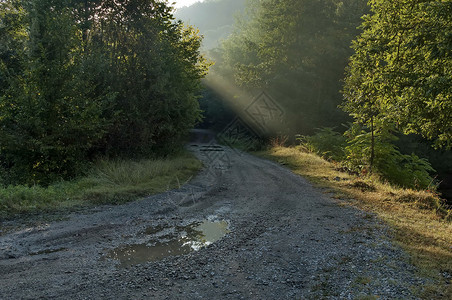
<point x="86" y="78"/>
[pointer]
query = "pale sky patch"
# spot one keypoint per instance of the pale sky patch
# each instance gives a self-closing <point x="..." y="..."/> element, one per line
<point x="181" y="3"/>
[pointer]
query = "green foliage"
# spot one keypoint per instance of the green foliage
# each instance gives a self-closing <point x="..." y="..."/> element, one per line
<point x="48" y="119"/>
<point x="78" y="82"/>
<point x="325" y="142"/>
<point x="441" y="160"/>
<point x="404" y="170"/>
<point x="155" y="69"/>
<point x="216" y="113"/>
<point x="402" y="68"/>
<point x="296" y="50"/>
<point x="400" y="74"/>
<point x="109" y="182"/>
<point x="353" y="151"/>
<point x="12" y="41"/>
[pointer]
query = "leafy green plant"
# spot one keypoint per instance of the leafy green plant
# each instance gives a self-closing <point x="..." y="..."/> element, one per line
<point x="326" y="142"/>
<point x="354" y="150"/>
<point x="405" y="170"/>
<point x="402" y="68"/>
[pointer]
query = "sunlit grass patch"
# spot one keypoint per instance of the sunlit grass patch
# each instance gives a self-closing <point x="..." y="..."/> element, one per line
<point x="307" y="164"/>
<point x="109" y="182"/>
<point x="119" y="181"/>
<point x="421" y="222"/>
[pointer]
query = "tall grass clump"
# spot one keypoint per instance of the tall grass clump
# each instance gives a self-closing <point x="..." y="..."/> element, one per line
<point x="135" y="173"/>
<point x="109" y="182"/>
<point x="327" y="143"/>
<point x="20" y="198"/>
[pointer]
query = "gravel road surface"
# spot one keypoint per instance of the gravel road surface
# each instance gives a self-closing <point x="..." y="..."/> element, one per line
<point x="244" y="228"/>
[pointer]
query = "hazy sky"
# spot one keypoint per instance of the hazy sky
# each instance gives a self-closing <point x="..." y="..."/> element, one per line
<point x="180" y="3"/>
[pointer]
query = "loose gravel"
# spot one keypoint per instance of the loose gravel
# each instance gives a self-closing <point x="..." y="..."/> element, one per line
<point x="286" y="240"/>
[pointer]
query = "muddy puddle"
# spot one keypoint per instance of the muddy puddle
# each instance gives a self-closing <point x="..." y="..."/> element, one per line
<point x="173" y="241"/>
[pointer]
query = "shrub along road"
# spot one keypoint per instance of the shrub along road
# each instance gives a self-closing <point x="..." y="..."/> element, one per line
<point x="285" y="240"/>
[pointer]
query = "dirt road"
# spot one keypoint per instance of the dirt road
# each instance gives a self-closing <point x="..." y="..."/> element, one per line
<point x="245" y="228"/>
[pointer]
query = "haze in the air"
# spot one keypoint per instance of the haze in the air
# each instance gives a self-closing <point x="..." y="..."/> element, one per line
<point x="182" y="3"/>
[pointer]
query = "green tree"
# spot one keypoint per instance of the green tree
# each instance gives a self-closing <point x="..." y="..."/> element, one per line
<point x="155" y="69"/>
<point x="83" y="78"/>
<point x="401" y="71"/>
<point x="12" y="41"/>
<point x="48" y="120"/>
<point x="297" y="50"/>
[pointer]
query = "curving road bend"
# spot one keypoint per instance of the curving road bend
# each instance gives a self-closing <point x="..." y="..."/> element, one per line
<point x="285" y="239"/>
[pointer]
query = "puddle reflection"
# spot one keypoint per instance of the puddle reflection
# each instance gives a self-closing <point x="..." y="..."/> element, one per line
<point x="183" y="240"/>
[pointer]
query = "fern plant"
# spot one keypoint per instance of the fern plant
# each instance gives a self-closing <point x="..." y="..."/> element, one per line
<point x="404" y="170"/>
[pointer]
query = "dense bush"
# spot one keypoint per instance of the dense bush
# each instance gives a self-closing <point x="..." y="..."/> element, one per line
<point x="401" y="169"/>
<point x="353" y="149"/>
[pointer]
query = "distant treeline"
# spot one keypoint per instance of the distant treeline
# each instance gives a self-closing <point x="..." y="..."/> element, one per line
<point x="214" y="18"/>
<point x="81" y="79"/>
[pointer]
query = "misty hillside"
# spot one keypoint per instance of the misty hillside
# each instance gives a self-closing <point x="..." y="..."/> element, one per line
<point x="214" y="18"/>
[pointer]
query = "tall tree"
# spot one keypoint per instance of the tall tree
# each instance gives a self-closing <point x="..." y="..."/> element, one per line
<point x="13" y="33"/>
<point x="48" y="121"/>
<point x="296" y="50"/>
<point x="401" y="71"/>
<point x="155" y="70"/>
<point x="82" y="78"/>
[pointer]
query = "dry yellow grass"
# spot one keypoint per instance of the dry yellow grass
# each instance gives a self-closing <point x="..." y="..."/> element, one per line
<point x="422" y="228"/>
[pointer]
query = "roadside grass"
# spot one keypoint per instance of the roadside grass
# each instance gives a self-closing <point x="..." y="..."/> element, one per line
<point x="109" y="182"/>
<point x="421" y="224"/>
